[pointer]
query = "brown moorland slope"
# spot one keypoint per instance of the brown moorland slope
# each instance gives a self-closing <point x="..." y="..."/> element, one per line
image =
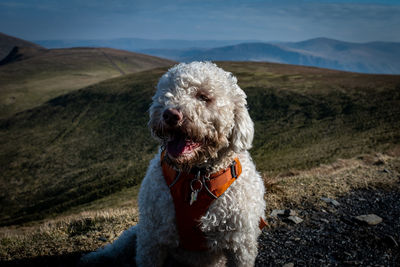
<point x="7" y="43"/>
<point x="30" y="76"/>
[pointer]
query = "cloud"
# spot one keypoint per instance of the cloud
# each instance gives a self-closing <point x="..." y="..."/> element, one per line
<point x="285" y="20"/>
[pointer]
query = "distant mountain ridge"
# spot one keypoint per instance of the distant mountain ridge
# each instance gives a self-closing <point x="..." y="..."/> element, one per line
<point x="374" y="57"/>
<point x="244" y="52"/>
<point x="136" y="44"/>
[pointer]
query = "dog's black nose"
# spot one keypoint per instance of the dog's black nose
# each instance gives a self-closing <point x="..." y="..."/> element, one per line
<point x="172" y="116"/>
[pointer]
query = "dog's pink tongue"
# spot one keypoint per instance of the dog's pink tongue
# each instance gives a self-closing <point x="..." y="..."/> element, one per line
<point x="179" y="146"/>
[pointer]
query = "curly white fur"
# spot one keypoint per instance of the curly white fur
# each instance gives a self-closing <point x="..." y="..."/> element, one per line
<point x="222" y="124"/>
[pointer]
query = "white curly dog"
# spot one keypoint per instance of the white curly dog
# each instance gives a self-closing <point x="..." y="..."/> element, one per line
<point x="201" y="200"/>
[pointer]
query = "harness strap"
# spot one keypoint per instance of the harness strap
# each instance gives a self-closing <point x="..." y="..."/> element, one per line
<point x="189" y="208"/>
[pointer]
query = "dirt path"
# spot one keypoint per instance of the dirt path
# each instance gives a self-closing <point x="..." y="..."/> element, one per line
<point x="113" y="63"/>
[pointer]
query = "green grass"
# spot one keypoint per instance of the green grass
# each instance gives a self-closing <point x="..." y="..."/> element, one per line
<point x="320" y="127"/>
<point x="94" y="143"/>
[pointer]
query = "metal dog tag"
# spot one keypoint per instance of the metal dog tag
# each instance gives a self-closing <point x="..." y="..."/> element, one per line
<point x="193" y="197"/>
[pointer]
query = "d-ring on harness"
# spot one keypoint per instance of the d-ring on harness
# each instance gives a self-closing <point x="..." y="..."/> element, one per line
<point x="195" y="185"/>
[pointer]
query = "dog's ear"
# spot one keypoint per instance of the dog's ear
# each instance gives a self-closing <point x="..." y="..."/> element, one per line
<point x="243" y="129"/>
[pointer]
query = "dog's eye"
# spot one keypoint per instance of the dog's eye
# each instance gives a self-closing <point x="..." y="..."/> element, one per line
<point x="203" y="97"/>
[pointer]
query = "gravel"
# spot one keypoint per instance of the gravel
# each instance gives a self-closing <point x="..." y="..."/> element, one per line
<point x="333" y="237"/>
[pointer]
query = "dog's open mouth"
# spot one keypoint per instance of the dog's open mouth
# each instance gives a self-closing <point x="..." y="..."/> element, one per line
<point x="180" y="145"/>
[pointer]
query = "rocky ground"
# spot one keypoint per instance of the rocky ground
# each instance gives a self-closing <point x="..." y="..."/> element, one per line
<point x="332" y="236"/>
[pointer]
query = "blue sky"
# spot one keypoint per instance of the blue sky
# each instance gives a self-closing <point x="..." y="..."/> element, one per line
<point x="280" y="20"/>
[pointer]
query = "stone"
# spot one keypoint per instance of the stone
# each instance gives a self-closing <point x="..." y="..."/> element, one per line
<point x="324" y="220"/>
<point x="289" y="264"/>
<point x="275" y="213"/>
<point x="370" y="219"/>
<point x="330" y="201"/>
<point x="332" y="210"/>
<point x="295" y="219"/>
<point x="284" y="213"/>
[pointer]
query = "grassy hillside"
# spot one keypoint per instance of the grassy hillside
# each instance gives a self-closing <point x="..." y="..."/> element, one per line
<point x="93" y="142"/>
<point x="308" y="116"/>
<point x="31" y="76"/>
<point x="76" y="148"/>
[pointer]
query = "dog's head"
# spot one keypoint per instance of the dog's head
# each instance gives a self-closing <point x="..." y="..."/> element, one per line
<point x="199" y="114"/>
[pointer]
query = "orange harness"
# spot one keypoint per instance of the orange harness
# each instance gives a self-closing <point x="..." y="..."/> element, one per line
<point x="193" y="193"/>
